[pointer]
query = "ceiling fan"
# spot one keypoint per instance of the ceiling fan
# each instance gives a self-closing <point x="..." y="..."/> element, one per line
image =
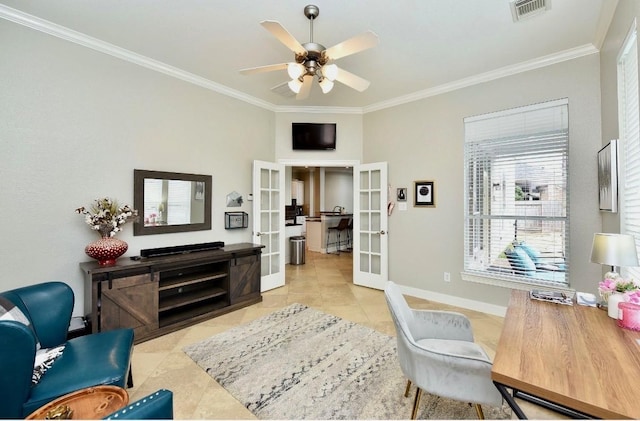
<point x="313" y="59"/>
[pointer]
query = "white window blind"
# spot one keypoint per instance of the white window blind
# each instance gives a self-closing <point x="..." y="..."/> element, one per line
<point x="516" y="194"/>
<point x="152" y="197"/>
<point x="179" y="202"/>
<point x="629" y="130"/>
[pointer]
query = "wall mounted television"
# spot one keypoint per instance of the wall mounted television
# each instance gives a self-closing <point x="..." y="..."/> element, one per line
<point x="314" y="136"/>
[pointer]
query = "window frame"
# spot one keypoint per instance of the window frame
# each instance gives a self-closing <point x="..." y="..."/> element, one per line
<point x="478" y="182"/>
<point x="629" y="144"/>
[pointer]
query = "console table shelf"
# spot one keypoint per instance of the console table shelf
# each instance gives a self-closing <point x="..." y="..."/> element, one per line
<point x="184" y="299"/>
<point x="158" y="295"/>
<point x="181" y="282"/>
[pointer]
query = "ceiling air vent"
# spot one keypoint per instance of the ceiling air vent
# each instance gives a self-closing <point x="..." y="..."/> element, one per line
<point x="283" y="90"/>
<point x="522" y="9"/>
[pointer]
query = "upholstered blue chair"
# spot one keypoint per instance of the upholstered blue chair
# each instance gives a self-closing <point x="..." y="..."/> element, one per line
<point x="437" y="353"/>
<point x="156" y="406"/>
<point x="44" y="315"/>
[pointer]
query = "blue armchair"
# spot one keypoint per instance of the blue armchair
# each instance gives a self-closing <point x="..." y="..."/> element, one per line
<point x="156" y="406"/>
<point x="101" y="358"/>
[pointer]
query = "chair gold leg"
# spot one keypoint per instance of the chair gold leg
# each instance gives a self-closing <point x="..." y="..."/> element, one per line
<point x="406" y="391"/>
<point x="416" y="403"/>
<point x="479" y="411"/>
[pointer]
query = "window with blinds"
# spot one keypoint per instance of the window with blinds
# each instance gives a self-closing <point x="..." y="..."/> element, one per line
<point x="174" y="195"/>
<point x="516" y="195"/>
<point x="629" y="143"/>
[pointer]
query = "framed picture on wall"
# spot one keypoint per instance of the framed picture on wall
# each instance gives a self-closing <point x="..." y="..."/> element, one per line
<point x="424" y="194"/>
<point x="608" y="177"/>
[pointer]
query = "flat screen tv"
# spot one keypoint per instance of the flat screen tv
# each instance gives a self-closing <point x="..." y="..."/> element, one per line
<point x="314" y="136"/>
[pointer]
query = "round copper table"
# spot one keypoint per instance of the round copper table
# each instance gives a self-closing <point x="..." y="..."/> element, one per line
<point x="91" y="403"/>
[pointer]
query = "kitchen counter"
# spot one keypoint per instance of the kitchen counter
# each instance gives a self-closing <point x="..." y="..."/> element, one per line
<point x="317" y="228"/>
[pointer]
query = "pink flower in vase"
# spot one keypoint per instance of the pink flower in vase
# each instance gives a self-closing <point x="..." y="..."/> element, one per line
<point x="608" y="285"/>
<point x="632" y="296"/>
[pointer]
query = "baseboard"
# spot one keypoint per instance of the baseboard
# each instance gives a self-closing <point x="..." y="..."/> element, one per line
<point x="455" y="301"/>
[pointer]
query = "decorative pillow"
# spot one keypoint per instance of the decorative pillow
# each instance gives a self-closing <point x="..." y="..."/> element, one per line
<point x="9" y="311"/>
<point x="533" y="253"/>
<point x="520" y="261"/>
<point x="44" y="360"/>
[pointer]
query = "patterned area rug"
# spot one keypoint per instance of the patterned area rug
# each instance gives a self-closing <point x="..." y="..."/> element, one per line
<point x="300" y="363"/>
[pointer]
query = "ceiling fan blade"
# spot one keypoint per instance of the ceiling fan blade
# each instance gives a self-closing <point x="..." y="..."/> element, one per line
<point x="351" y="80"/>
<point x="351" y="46"/>
<point x="262" y="69"/>
<point x="306" y="87"/>
<point x="283" y="36"/>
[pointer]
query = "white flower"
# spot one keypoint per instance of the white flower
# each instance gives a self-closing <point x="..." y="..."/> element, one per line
<point x="106" y="216"/>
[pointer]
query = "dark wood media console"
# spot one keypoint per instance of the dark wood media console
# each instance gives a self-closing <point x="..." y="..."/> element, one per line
<point x="158" y="295"/>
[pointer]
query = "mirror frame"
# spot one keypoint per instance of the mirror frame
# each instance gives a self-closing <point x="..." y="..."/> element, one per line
<point x="138" y="202"/>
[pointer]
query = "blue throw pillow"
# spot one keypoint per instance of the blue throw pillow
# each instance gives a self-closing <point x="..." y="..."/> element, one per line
<point x="533" y="253"/>
<point x="520" y="261"/>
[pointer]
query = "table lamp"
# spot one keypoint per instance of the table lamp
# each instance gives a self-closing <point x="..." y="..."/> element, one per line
<point x="614" y="250"/>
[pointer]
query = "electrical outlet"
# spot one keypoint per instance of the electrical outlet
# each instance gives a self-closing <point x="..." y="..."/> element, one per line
<point x="447" y="277"/>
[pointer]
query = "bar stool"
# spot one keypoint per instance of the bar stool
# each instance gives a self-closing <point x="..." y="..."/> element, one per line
<point x="338" y="229"/>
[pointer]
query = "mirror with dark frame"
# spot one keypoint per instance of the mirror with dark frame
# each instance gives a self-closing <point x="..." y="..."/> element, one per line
<point x="171" y="202"/>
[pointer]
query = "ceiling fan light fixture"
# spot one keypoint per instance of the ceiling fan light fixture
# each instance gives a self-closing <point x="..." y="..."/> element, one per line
<point x="295" y="70"/>
<point x="295" y="85"/>
<point x="330" y="72"/>
<point x="326" y="85"/>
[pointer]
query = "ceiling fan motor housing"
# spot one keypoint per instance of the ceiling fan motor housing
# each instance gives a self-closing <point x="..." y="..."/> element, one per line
<point x="313" y="59"/>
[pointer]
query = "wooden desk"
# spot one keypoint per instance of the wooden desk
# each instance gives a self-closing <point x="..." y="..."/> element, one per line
<point x="89" y="404"/>
<point x="573" y="356"/>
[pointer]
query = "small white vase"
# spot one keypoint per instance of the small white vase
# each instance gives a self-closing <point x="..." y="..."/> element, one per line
<point x="612" y="305"/>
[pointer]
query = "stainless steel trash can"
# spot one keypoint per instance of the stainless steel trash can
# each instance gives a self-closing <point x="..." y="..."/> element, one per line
<point x="297" y="250"/>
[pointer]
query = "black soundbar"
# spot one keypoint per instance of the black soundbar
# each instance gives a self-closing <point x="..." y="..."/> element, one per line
<point x="188" y="248"/>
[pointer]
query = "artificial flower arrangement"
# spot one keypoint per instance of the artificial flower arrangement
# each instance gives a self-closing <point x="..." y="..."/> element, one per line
<point x="106" y="217"/>
<point x="612" y="284"/>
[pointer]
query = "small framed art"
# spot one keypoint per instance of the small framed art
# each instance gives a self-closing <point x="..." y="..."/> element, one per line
<point x="424" y="194"/>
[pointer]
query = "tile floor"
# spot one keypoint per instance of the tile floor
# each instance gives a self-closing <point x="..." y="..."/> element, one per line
<point x="324" y="282"/>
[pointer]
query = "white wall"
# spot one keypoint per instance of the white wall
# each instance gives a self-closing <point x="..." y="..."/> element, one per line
<point x="74" y="123"/>
<point x="348" y="136"/>
<point x="338" y="190"/>
<point x="423" y="140"/>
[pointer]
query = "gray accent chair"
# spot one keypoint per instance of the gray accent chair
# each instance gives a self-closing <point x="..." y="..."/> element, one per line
<point x="437" y="353"/>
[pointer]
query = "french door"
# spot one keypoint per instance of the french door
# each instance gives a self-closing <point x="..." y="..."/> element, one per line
<point x="370" y="221"/>
<point x="370" y="225"/>
<point x="268" y="221"/>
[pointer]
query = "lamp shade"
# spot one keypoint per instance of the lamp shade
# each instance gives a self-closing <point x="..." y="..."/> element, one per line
<point x="330" y="71"/>
<point x="295" y="70"/>
<point x="326" y="85"/>
<point x="295" y="85"/>
<point x="614" y="249"/>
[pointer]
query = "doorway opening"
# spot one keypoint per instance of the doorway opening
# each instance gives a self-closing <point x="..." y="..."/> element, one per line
<point x="317" y="191"/>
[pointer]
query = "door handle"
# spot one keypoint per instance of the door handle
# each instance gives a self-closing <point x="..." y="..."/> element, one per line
<point x="382" y="232"/>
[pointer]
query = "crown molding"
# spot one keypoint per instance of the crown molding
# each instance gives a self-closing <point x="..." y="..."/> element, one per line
<point x="525" y="66"/>
<point x="79" y="38"/>
<point x="606" y="17"/>
<point x="319" y="110"/>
